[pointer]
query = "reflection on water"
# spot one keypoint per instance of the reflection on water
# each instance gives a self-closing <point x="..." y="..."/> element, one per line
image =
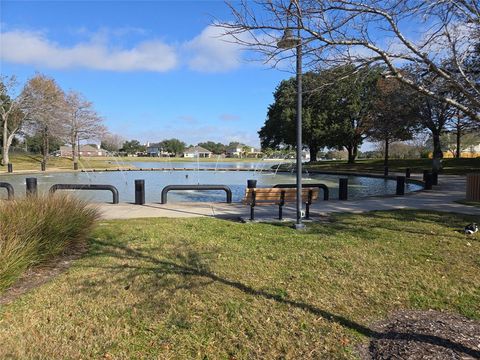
<point x="155" y="181"/>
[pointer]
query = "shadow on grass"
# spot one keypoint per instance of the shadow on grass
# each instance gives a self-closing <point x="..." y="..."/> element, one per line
<point x="192" y="265"/>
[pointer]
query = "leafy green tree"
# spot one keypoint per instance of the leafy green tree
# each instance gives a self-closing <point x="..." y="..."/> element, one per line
<point x="173" y="146"/>
<point x="35" y="143"/>
<point x="280" y="127"/>
<point x="216" y="148"/>
<point x="337" y="103"/>
<point x="133" y="146"/>
<point x="348" y="105"/>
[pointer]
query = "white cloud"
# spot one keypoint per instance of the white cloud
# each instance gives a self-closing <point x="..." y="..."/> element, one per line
<point x="26" y="47"/>
<point x="213" y="51"/>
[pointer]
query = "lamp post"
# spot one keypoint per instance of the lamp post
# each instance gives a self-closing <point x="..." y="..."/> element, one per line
<point x="289" y="41"/>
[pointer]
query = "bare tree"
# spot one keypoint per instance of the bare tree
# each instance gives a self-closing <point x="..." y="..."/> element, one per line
<point x="11" y="114"/>
<point x="374" y="32"/>
<point x="112" y="142"/>
<point x="44" y="102"/>
<point x="82" y="122"/>
<point x="460" y="126"/>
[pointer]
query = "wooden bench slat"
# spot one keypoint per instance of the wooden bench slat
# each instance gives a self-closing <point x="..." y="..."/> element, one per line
<point x="278" y="196"/>
<point x="273" y="195"/>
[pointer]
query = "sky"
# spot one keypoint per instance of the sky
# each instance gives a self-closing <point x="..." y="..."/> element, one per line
<point x="154" y="70"/>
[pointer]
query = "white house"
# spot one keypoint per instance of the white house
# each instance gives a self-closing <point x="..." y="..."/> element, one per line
<point x="242" y="150"/>
<point x="197" y="151"/>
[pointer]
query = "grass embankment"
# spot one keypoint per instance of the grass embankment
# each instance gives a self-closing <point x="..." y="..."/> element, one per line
<point x="469" y="203"/>
<point x="213" y="289"/>
<point x="450" y="166"/>
<point x="213" y="159"/>
<point x="35" y="230"/>
<point x="33" y="162"/>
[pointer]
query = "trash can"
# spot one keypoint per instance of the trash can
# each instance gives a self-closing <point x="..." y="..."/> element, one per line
<point x="473" y="187"/>
<point x="251" y="184"/>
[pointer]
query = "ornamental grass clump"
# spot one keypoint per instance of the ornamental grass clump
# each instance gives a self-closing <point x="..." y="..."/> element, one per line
<point x="34" y="230"/>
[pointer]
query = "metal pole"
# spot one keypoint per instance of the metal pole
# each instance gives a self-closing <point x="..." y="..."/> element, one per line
<point x="298" y="224"/>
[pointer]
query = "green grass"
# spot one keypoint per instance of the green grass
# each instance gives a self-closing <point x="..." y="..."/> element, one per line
<point x="450" y="166"/>
<point x="212" y="289"/>
<point x="33" y="162"/>
<point x="470" y="203"/>
<point x="213" y="159"/>
<point x="35" y="230"/>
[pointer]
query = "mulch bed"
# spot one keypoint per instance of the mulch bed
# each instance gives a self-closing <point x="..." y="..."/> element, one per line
<point x="424" y="335"/>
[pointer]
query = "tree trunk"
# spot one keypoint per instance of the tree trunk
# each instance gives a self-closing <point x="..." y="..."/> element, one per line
<point x="459" y="151"/>
<point x="45" y="145"/>
<point x="352" y="154"/>
<point x="5" y="159"/>
<point x="437" y="154"/>
<point x="387" y="144"/>
<point x="313" y="152"/>
<point x="74" y="150"/>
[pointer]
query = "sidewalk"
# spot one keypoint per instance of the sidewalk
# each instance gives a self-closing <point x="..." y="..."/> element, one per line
<point x="442" y="198"/>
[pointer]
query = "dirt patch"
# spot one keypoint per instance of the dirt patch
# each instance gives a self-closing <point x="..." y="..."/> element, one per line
<point x="424" y="335"/>
<point x="41" y="274"/>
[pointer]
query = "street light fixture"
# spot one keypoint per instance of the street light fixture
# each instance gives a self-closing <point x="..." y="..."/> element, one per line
<point x="289" y="41"/>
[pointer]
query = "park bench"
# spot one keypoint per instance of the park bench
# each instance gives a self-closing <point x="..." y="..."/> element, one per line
<point x="278" y="196"/>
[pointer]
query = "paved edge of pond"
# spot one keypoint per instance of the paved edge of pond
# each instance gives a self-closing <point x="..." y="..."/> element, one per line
<point x="442" y="198"/>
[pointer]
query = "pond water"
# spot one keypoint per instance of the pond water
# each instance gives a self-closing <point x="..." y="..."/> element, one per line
<point x="155" y="181"/>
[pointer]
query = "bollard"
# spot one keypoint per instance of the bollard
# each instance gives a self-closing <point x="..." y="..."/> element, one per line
<point x="43" y="165"/>
<point x="385" y="171"/>
<point x="428" y="181"/>
<point x="400" y="185"/>
<point x="31" y="186"/>
<point x="425" y="173"/>
<point x="407" y="173"/>
<point x="343" y="189"/>
<point x="434" y="178"/>
<point x="75" y="166"/>
<point x="139" y="192"/>
<point x="10" y="167"/>
<point x="251" y="184"/>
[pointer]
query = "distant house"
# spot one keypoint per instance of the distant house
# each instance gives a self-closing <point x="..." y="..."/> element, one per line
<point x="197" y="151"/>
<point x="156" y="150"/>
<point x="235" y="151"/>
<point x="153" y="149"/>
<point x="85" y="150"/>
<point x="242" y="150"/>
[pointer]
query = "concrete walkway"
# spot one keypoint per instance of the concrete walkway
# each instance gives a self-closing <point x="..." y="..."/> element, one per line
<point x="442" y="198"/>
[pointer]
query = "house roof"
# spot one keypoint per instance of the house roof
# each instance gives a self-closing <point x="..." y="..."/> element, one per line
<point x="82" y="148"/>
<point x="197" y="149"/>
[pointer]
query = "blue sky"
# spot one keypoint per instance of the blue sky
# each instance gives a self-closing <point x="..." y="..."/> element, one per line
<point x="154" y="69"/>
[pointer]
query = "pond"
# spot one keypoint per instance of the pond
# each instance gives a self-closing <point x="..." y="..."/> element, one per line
<point x="155" y="181"/>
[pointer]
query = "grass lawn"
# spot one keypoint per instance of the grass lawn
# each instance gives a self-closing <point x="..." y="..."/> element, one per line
<point x="214" y="289"/>
<point x="470" y="203"/>
<point x="450" y="166"/>
<point x="33" y="162"/>
<point x="213" y="159"/>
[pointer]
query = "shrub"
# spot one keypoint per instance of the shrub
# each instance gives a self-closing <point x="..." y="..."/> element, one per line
<point x="34" y="230"/>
